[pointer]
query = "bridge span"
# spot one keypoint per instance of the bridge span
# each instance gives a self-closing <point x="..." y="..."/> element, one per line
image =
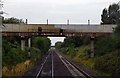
<point x="28" y="30"/>
<point x="56" y="29"/>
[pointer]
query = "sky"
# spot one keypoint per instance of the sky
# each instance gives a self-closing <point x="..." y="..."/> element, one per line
<point x="56" y="39"/>
<point x="57" y="11"/>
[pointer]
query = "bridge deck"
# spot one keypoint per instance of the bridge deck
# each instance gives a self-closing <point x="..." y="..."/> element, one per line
<point x="55" y="28"/>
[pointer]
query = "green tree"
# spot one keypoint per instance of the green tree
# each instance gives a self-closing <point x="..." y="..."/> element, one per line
<point x="104" y="16"/>
<point x="111" y="15"/>
<point x="74" y="41"/>
<point x="43" y="43"/>
<point x="12" y="20"/>
<point x="58" y="45"/>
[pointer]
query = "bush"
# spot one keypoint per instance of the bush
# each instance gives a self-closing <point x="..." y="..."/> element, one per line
<point x="14" y="56"/>
<point x="105" y="45"/>
<point x="109" y="63"/>
<point x="58" y="45"/>
<point x="42" y="43"/>
<point x="12" y="53"/>
<point x="35" y="54"/>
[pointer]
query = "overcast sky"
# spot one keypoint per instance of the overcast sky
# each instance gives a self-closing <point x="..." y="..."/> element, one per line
<point x="57" y="11"/>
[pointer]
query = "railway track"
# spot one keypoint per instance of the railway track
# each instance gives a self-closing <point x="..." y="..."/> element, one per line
<point x="75" y="70"/>
<point x="49" y="68"/>
<point x="46" y="69"/>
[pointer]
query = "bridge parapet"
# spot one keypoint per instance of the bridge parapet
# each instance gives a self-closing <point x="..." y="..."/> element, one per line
<point x="87" y="28"/>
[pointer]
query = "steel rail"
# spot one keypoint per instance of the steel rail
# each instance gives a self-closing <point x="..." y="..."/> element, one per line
<point x="69" y="63"/>
<point x="40" y="70"/>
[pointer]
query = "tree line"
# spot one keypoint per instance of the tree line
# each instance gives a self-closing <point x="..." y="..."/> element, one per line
<point x="12" y="20"/>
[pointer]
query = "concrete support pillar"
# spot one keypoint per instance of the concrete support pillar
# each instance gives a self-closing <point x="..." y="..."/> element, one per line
<point x="29" y="42"/>
<point x="23" y="43"/>
<point x="92" y="47"/>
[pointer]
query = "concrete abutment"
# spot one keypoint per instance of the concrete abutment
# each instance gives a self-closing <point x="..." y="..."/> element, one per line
<point x="23" y="42"/>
